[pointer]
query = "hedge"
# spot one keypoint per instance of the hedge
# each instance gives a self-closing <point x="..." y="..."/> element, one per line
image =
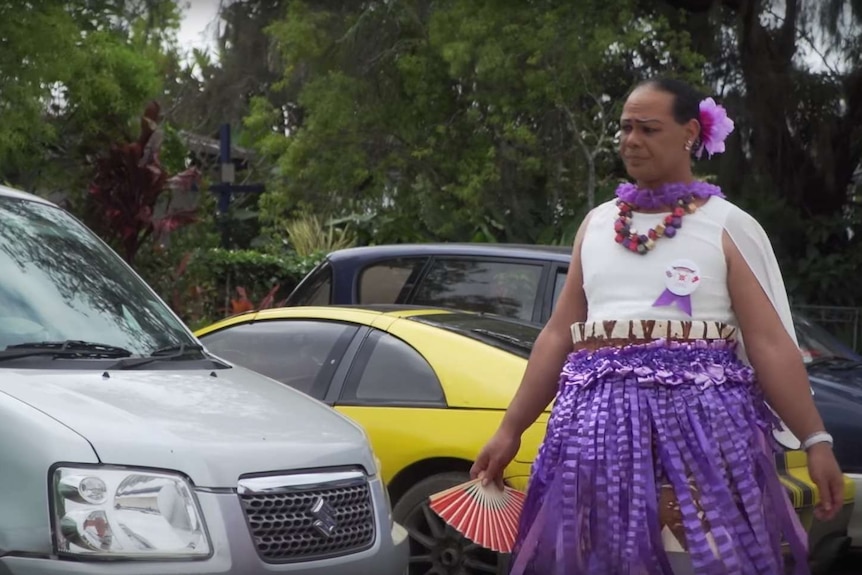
<point x="211" y="283"/>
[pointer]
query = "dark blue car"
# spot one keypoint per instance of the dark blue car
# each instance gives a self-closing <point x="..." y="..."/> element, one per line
<point x="524" y="282"/>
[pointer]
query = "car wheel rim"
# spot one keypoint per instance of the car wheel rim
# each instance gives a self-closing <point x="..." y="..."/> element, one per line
<point x="437" y="549"/>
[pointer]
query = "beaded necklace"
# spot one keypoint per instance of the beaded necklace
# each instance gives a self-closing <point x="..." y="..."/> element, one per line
<point x="680" y="195"/>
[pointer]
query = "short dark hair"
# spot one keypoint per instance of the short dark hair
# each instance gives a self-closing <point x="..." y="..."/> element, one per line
<point x="686" y="98"/>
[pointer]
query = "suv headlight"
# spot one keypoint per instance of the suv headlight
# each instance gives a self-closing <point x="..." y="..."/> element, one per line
<point x="112" y="513"/>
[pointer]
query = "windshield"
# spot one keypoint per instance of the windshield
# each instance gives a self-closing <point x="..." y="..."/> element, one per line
<point x="59" y="282"/>
<point x="816" y="343"/>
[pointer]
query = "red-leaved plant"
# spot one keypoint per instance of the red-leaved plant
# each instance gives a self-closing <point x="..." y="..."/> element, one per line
<point x="127" y="185"/>
<point x="242" y="303"/>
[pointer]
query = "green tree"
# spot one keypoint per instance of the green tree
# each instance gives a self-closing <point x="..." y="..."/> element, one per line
<point x="73" y="77"/>
<point x="217" y="87"/>
<point x="454" y="120"/>
<point x="790" y="72"/>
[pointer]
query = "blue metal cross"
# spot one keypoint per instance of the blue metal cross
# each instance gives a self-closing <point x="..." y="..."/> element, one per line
<point x="226" y="187"/>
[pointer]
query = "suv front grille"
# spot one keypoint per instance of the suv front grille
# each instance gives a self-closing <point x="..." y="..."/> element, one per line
<point x="309" y="516"/>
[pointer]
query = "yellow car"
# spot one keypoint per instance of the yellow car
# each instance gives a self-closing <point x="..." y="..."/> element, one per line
<point x="429" y="386"/>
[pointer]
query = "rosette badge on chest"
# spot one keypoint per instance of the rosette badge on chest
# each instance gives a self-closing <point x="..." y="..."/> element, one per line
<point x="681" y="279"/>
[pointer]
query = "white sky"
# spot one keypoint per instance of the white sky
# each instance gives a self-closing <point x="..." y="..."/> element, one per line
<point x="198" y="26"/>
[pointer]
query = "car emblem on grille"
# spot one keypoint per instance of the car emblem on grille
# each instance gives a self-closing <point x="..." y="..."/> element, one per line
<point x="324" y="517"/>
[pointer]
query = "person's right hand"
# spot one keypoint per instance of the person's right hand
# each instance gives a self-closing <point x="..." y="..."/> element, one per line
<point x="495" y="456"/>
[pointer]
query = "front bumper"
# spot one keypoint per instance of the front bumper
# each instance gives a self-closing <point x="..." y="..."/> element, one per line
<point x="234" y="552"/>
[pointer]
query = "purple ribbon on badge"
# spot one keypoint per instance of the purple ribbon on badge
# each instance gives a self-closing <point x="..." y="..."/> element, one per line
<point x="682" y="278"/>
<point x="669" y="298"/>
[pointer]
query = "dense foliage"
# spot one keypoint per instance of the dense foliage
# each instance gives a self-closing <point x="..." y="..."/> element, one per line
<point x="410" y="120"/>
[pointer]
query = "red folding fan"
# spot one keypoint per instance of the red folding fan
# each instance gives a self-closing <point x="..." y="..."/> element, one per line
<point x="487" y="516"/>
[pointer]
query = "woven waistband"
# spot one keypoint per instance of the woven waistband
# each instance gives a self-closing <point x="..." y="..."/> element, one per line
<point x="618" y="333"/>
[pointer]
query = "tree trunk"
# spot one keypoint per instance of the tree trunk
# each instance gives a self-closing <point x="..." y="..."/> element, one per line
<point x="804" y="172"/>
<point x="589" y="158"/>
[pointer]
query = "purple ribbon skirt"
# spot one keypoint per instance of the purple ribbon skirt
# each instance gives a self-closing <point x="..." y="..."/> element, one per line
<point x="628" y="420"/>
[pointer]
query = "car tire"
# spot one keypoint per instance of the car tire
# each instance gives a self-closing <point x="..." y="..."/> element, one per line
<point x="436" y="548"/>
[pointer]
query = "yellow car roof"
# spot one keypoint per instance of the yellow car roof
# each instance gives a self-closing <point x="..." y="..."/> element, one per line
<point x="363" y="314"/>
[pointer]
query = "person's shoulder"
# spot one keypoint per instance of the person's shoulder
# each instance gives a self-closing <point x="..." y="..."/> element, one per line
<point x="741" y="226"/>
<point x="595" y="218"/>
<point x="730" y="213"/>
<point x="600" y="211"/>
<point x="607" y="206"/>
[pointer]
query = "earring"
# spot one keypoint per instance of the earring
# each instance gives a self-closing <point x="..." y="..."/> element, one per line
<point x="688" y="146"/>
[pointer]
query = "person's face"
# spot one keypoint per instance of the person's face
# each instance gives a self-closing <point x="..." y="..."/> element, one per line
<point x="652" y="143"/>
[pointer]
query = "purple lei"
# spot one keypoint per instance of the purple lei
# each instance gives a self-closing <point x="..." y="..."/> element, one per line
<point x="665" y="195"/>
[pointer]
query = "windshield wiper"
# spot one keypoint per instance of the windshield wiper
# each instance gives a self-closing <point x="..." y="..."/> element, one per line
<point x="167" y="353"/>
<point x="69" y="349"/>
<point x="835" y="362"/>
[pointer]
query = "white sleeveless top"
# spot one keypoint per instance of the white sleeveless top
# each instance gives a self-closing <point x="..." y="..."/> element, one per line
<point x="623" y="285"/>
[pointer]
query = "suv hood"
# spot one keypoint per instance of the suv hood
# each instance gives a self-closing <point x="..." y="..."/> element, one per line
<point x="214" y="426"/>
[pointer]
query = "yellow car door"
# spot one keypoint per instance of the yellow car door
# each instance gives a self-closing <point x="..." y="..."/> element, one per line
<point x="423" y="445"/>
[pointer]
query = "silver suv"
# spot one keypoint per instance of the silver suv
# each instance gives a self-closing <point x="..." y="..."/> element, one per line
<point x="128" y="448"/>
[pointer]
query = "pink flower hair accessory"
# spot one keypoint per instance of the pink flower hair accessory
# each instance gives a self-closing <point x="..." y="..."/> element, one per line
<point x="715" y="127"/>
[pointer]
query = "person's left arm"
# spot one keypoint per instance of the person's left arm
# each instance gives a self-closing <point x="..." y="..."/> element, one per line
<point x="781" y="373"/>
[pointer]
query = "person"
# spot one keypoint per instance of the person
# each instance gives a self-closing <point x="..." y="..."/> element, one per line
<point x="671" y="360"/>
